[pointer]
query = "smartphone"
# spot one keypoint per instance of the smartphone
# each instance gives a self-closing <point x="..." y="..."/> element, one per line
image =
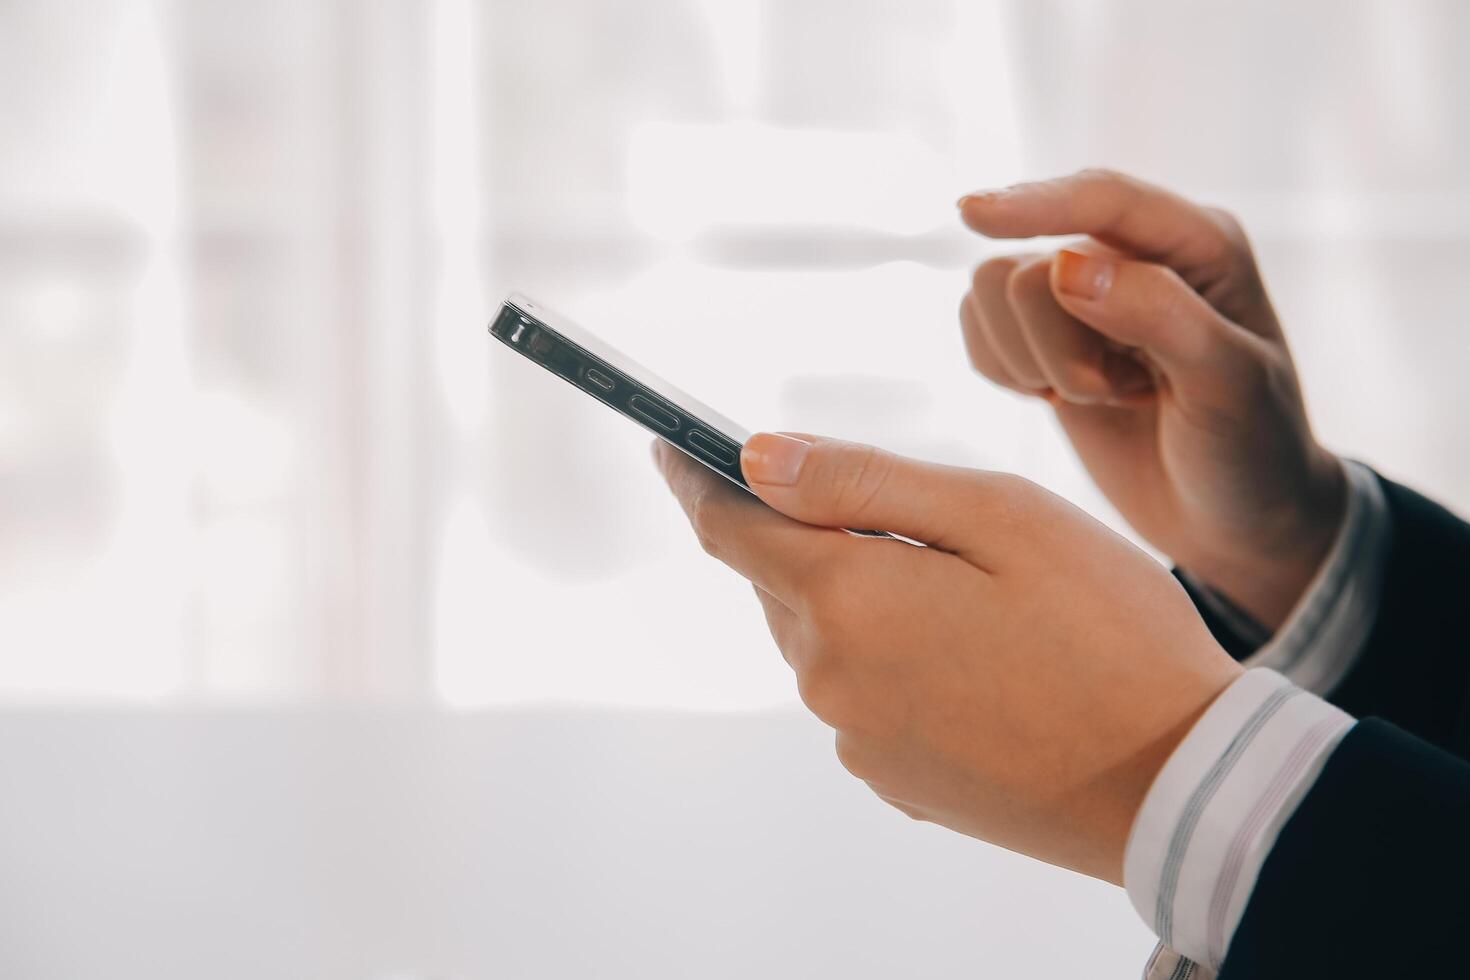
<point x="615" y="379"/>
<point x="621" y="383"/>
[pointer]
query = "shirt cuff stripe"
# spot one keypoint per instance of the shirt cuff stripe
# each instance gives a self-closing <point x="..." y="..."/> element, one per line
<point x="1200" y="798"/>
<point x="1217" y="806"/>
<point x="1247" y="839"/>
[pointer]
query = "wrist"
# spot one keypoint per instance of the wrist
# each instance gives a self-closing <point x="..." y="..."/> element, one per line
<point x="1284" y="554"/>
<point x="1189" y="697"/>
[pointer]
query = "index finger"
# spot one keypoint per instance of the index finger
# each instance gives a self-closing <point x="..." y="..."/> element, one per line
<point x="773" y="551"/>
<point x="1117" y="210"/>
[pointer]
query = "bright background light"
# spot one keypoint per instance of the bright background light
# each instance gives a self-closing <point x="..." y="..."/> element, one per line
<point x="685" y="178"/>
<point x="258" y="454"/>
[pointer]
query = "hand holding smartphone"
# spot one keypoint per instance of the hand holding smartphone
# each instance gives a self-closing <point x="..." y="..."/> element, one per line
<point x="616" y="380"/>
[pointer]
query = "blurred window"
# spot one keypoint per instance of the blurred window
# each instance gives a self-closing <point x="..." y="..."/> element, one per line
<point x="255" y="443"/>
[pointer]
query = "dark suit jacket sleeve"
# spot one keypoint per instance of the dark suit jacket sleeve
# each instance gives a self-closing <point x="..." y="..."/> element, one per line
<point x="1370" y="877"/>
<point x="1414" y="668"/>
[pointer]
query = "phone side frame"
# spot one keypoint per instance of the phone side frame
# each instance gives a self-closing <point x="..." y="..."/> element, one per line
<point x="570" y="361"/>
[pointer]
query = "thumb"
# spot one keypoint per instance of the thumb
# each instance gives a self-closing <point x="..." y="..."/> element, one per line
<point x="1148" y="306"/>
<point x="833" y="483"/>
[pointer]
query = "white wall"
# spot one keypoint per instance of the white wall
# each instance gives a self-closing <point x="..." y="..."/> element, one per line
<point x="519" y="844"/>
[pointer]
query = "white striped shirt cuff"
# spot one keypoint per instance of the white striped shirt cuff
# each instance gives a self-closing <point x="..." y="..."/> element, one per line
<point x="1214" y="811"/>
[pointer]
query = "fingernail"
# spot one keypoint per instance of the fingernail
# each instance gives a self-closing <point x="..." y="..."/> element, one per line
<point x="1085" y="276"/>
<point x="773" y="459"/>
<point x="979" y="197"/>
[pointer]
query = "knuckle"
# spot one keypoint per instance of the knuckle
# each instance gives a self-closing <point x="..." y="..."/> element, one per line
<point x="1012" y="498"/>
<point x="853" y="486"/>
<point x="907" y="809"/>
<point x="1121" y="190"/>
<point x="1169" y="292"/>
<point x="1239" y="256"/>
<point x="824" y="691"/>
<point x="1098" y="173"/>
<point x="912" y="812"/>
<point x="1079" y="381"/>
<point x="1229" y="226"/>
<point x="1011" y="486"/>
<point x="702" y="519"/>
<point x="707" y="543"/>
<point x="1176" y="307"/>
<point x="1104" y="175"/>
<point x="852" y="756"/>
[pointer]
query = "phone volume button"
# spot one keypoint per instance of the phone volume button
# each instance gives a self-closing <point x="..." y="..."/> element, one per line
<point x="659" y="416"/>
<point x="711" y="448"/>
